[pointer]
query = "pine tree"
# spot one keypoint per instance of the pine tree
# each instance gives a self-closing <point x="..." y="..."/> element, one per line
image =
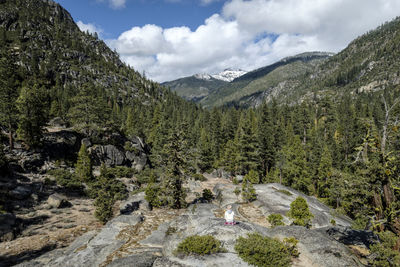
<point x="324" y="173"/>
<point x="300" y="212"/>
<point x="172" y="191"/>
<point x="294" y="169"/>
<point x="89" y="108"/>
<point x="248" y="191"/>
<point x="205" y="153"/>
<point x="8" y="94"/>
<point x="32" y="105"/>
<point x="83" y="168"/>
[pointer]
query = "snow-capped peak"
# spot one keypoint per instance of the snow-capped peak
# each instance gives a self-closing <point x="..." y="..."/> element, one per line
<point x="203" y="76"/>
<point x="229" y="75"/>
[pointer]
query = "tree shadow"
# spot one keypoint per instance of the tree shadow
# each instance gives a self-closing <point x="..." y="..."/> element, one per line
<point x="25" y="223"/>
<point x="24" y="256"/>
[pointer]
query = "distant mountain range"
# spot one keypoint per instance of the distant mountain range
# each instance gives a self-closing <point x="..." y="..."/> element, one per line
<point x="370" y="63"/>
<point x="198" y="86"/>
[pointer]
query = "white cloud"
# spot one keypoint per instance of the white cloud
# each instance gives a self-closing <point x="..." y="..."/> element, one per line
<point x="117" y="3"/>
<point x="90" y="27"/>
<point x="249" y="34"/>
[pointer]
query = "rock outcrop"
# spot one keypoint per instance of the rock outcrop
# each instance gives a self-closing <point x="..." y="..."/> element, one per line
<point x="109" y="248"/>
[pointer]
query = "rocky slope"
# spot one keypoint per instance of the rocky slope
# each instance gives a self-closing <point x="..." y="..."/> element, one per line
<point x="148" y="237"/>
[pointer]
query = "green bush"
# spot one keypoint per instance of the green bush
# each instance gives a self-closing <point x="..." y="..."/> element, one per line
<point x="147" y="176"/>
<point x="283" y="191"/>
<point x="208" y="195"/>
<point x="291" y="245"/>
<point x="199" y="177"/>
<point x="151" y="195"/>
<point x="253" y="177"/>
<point x="199" y="245"/>
<point x="300" y="212"/>
<point x="121" y="171"/>
<point x="65" y="179"/>
<point x="104" y="204"/>
<point x="275" y="219"/>
<point x="333" y="222"/>
<point x="384" y="251"/>
<point x="263" y="251"/>
<point x="235" y="181"/>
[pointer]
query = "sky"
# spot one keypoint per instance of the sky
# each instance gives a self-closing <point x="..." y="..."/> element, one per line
<point x="170" y="39"/>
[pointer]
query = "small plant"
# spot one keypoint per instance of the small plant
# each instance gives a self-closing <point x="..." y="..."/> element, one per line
<point x="171" y="230"/>
<point x="235" y="181"/>
<point x="104" y="203"/>
<point x="199" y="245"/>
<point x="300" y="212"/>
<point x="121" y="171"/>
<point x="263" y="251"/>
<point x="275" y="219"/>
<point x="283" y="191"/>
<point x="291" y="245"/>
<point x="199" y="177"/>
<point x="333" y="222"/>
<point x="208" y="195"/>
<point x="65" y="179"/>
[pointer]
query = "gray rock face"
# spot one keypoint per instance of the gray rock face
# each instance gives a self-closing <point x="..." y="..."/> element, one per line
<point x="276" y="198"/>
<point x="57" y="201"/>
<point x="92" y="249"/>
<point x="7" y="224"/>
<point x="133" y="203"/>
<point x="221" y="173"/>
<point x="110" y="155"/>
<point x="61" y="145"/>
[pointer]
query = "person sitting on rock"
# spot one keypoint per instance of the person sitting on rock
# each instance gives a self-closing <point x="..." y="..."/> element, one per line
<point x="229" y="216"/>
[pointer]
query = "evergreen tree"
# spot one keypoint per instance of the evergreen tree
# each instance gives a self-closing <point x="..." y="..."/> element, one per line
<point x="300" y="212"/>
<point x="248" y="191"/>
<point x="205" y="153"/>
<point x="8" y="94"/>
<point x="324" y="173"/>
<point x="294" y="170"/>
<point x="172" y="191"/>
<point x="89" y="108"/>
<point x="32" y="105"/>
<point x="253" y="177"/>
<point x="83" y="168"/>
<point x="266" y="140"/>
<point x="229" y="160"/>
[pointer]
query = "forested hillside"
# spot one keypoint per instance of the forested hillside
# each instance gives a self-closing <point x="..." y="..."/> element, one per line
<point x="341" y="144"/>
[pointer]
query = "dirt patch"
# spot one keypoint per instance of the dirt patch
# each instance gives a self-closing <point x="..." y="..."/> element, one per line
<point x="253" y="214"/>
<point x="47" y="229"/>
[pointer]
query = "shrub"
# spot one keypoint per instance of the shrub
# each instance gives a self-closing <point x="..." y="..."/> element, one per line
<point x="235" y="181"/>
<point x="199" y="245"/>
<point x="300" y="212"/>
<point x="83" y="168"/>
<point x="208" y="195"/>
<point x="262" y="251"/>
<point x="121" y="171"/>
<point x="104" y="204"/>
<point x="384" y="251"/>
<point x="248" y="191"/>
<point x="275" y="219"/>
<point x="65" y="179"/>
<point x="147" y="176"/>
<point x="333" y="222"/>
<point x="237" y="192"/>
<point x="199" y="177"/>
<point x="291" y="245"/>
<point x="253" y="177"/>
<point x="151" y="195"/>
<point x="283" y="191"/>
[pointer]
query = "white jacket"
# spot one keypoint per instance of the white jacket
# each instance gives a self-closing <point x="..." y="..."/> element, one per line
<point x="229" y="216"/>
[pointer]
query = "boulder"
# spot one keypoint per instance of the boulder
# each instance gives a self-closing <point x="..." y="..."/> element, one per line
<point x="133" y="203"/>
<point x="110" y="155"/>
<point x="61" y="145"/>
<point x="239" y="178"/>
<point x="30" y="161"/>
<point x="21" y="192"/>
<point x="276" y="198"/>
<point x="57" y="122"/>
<point x="58" y="201"/>
<point x="7" y="226"/>
<point x="221" y="173"/>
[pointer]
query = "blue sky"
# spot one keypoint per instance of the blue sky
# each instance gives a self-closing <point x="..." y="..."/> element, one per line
<point x="114" y="20"/>
<point x="169" y="39"/>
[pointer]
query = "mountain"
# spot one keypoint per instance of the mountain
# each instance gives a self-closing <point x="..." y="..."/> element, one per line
<point x="198" y="86"/>
<point x="229" y="75"/>
<point x="280" y="74"/>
